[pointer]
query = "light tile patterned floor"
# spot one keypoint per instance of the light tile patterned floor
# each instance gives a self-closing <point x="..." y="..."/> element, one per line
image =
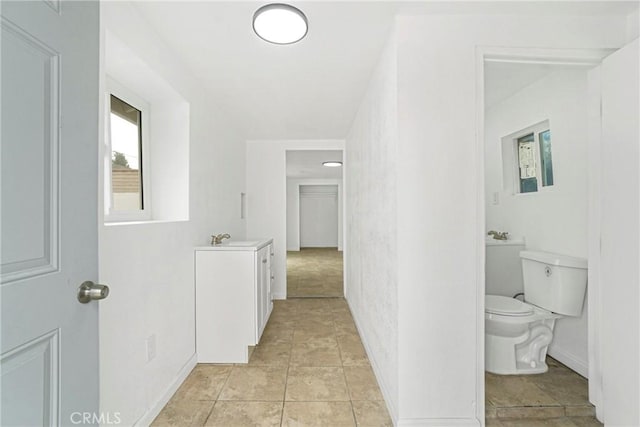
<point x="558" y="398"/>
<point x="315" y="272"/>
<point x="310" y="369"/>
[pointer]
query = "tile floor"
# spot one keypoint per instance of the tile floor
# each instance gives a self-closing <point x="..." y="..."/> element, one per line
<point x="310" y="369"/>
<point x="558" y="397"/>
<point x="314" y="272"/>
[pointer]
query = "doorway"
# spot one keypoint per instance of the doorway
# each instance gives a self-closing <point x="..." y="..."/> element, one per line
<point x="535" y="124"/>
<point x="315" y="266"/>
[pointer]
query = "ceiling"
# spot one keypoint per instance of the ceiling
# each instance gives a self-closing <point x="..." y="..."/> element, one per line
<point x="311" y="89"/>
<point x="307" y="164"/>
<point x="306" y="90"/>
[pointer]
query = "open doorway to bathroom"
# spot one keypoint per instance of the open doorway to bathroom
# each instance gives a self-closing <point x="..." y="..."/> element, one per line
<point x="536" y="123"/>
<point x="314" y="224"/>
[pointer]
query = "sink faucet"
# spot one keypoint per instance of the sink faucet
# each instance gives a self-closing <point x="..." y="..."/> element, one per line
<point x="216" y="240"/>
<point x="498" y="235"/>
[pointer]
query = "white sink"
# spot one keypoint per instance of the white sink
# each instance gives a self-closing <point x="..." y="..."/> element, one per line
<point x="240" y="243"/>
<point x="236" y="245"/>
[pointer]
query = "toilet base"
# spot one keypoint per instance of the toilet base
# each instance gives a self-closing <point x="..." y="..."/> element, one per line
<point x="525" y="369"/>
<point x="517" y="349"/>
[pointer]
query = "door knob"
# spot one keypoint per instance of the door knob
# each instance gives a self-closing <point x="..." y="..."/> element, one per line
<point x="90" y="291"/>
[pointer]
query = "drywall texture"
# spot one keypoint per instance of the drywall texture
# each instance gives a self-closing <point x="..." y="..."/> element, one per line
<point x="371" y="245"/>
<point x="267" y="196"/>
<point x="440" y="222"/>
<point x="555" y="218"/>
<point x="149" y="266"/>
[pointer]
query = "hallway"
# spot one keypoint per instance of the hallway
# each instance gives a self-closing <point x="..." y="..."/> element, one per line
<point x="315" y="272"/>
<point x="310" y="369"/>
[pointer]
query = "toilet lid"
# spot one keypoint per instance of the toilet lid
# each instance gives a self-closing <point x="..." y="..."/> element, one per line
<point x="506" y="306"/>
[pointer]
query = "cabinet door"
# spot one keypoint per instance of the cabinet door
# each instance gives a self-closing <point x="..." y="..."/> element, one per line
<point x="271" y="278"/>
<point x="268" y="280"/>
<point x="260" y="292"/>
<point x="225" y="305"/>
<point x="263" y="297"/>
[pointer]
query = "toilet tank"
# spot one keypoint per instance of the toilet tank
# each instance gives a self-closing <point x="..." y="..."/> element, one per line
<point x="503" y="269"/>
<point x="554" y="282"/>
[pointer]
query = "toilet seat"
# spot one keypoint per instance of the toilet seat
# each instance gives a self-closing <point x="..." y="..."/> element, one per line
<point x="505" y="306"/>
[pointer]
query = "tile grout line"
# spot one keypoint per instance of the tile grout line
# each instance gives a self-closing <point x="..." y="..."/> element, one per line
<point x="215" y="401"/>
<point x="284" y="395"/>
<point x="286" y="380"/>
<point x="344" y="374"/>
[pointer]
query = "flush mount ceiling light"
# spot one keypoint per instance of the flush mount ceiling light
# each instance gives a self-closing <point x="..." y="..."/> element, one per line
<point x="280" y="23"/>
<point x="332" y="164"/>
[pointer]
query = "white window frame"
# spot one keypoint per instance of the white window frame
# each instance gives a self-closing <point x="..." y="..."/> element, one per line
<point x="511" y="161"/>
<point x="119" y="91"/>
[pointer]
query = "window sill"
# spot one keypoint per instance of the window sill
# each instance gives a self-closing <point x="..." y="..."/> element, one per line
<point x="143" y="222"/>
<point x="547" y="190"/>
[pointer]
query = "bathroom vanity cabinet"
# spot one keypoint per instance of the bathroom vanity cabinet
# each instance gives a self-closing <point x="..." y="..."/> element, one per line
<point x="233" y="298"/>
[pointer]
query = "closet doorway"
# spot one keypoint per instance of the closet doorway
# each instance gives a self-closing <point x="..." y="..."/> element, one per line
<point x="319" y="216"/>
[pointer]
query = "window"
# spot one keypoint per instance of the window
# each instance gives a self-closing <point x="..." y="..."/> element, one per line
<point x="532" y="158"/>
<point x="125" y="157"/>
<point x="164" y="140"/>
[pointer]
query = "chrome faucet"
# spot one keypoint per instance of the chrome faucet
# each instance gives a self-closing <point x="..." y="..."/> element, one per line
<point x="216" y="240"/>
<point x="498" y="235"/>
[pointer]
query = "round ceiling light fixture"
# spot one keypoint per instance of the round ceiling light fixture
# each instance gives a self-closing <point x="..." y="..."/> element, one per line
<point x="332" y="164"/>
<point x="280" y="23"/>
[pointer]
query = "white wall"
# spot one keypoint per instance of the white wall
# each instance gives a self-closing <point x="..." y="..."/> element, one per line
<point x="554" y="219"/>
<point x="440" y="210"/>
<point x="293" y="210"/>
<point x="267" y="196"/>
<point x="619" y="266"/>
<point x="149" y="266"/>
<point x="370" y="217"/>
<point x="633" y="25"/>
<point x="293" y="215"/>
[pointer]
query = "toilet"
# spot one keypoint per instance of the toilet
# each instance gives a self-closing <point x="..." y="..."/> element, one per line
<point x="517" y="333"/>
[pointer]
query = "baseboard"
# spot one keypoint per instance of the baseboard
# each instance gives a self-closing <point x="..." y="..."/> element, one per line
<point x="438" y="422"/>
<point x="393" y="413"/>
<point x="278" y="296"/>
<point x="153" y="412"/>
<point x="570" y="360"/>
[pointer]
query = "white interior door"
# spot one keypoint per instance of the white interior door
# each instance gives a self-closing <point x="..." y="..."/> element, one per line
<point x="49" y="86"/>
<point x="619" y="268"/>
<point x="318" y="216"/>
